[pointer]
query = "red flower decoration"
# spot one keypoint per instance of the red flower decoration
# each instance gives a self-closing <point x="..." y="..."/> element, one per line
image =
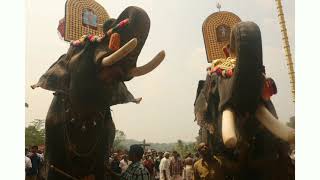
<point x="229" y="73"/>
<point x="218" y="71"/>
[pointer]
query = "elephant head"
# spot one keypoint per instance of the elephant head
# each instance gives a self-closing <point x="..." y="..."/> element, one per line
<point x="232" y="102"/>
<point x="94" y="69"/>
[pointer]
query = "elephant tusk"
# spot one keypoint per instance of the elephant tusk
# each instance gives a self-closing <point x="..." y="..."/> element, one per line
<point x="274" y="125"/>
<point x="120" y="53"/>
<point x="142" y="70"/>
<point x="228" y="128"/>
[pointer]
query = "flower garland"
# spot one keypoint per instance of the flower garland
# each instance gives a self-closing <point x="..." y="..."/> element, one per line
<point x="222" y="67"/>
<point x="225" y="67"/>
<point x="92" y="38"/>
<point x="114" y="43"/>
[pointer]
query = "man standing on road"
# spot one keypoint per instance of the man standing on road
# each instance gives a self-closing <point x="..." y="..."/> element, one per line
<point x="176" y="167"/>
<point x="136" y="170"/>
<point x="208" y="167"/>
<point x="165" y="167"/>
<point x="157" y="165"/>
<point x="124" y="163"/>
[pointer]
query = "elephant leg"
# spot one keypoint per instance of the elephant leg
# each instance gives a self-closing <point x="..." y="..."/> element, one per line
<point x="110" y="132"/>
<point x="56" y="155"/>
<point x="99" y="170"/>
<point x="103" y="150"/>
<point x="55" y="144"/>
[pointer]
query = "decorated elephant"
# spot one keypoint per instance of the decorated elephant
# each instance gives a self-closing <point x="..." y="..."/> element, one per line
<point x="236" y="115"/>
<point x="86" y="81"/>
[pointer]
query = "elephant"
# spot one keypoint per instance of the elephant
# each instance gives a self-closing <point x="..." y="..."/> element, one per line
<point x="87" y="81"/>
<point x="235" y="113"/>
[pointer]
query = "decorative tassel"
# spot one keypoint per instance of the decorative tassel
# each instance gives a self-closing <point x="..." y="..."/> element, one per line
<point x="114" y="43"/>
<point x="91" y="38"/>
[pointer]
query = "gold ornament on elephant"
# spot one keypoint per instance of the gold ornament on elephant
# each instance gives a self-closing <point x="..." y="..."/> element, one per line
<point x="83" y="17"/>
<point x="216" y="31"/>
<point x="228" y="63"/>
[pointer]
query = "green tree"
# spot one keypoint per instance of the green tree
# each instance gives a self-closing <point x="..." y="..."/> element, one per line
<point x="179" y="146"/>
<point x="119" y="140"/>
<point x="184" y="148"/>
<point x="35" y="133"/>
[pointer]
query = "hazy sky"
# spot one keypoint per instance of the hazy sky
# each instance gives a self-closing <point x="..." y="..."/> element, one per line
<point x="166" y="111"/>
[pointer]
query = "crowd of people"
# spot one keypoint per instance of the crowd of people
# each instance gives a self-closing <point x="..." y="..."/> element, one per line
<point x="34" y="161"/>
<point x="138" y="164"/>
<point x="152" y="165"/>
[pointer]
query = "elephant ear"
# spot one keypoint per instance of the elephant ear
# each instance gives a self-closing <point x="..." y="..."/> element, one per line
<point x="56" y="77"/>
<point x="202" y="103"/>
<point x="122" y="95"/>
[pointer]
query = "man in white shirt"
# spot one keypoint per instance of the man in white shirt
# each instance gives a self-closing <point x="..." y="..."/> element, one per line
<point x="164" y="167"/>
<point x="124" y="163"/>
<point x="28" y="164"/>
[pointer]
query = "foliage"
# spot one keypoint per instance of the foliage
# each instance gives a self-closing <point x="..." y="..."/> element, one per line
<point x="119" y="139"/>
<point x="156" y="146"/>
<point x="35" y="133"/>
<point x="184" y="148"/>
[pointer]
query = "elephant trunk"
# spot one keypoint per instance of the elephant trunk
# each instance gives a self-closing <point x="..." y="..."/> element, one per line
<point x="247" y="80"/>
<point x="228" y="129"/>
<point x="274" y="125"/>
